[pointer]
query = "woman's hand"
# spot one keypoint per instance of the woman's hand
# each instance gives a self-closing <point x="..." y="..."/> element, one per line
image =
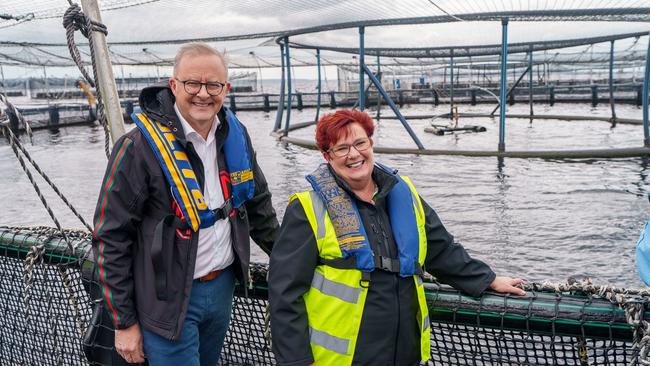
<point x="507" y="284"/>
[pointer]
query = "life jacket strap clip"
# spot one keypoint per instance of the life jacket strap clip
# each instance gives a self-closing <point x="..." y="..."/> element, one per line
<point x="223" y="211"/>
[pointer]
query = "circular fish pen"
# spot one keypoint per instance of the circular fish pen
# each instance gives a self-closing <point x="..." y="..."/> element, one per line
<point x="463" y="81"/>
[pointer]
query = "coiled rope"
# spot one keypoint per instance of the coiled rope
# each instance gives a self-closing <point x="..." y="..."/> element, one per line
<point x="74" y="19"/>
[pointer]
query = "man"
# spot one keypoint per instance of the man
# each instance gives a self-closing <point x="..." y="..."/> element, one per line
<point x="181" y="195"/>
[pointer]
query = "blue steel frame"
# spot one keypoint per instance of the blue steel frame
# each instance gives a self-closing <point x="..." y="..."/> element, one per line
<point x="611" y="80"/>
<point x="504" y="59"/>
<point x="319" y="85"/>
<point x="392" y="105"/>
<point x="289" y="94"/>
<point x="530" y="79"/>
<point x="278" y="115"/>
<point x="451" y="92"/>
<point x="646" y="82"/>
<point x="362" y="64"/>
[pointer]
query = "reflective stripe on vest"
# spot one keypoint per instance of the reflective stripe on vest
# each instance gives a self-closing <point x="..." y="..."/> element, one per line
<point x="340" y="291"/>
<point x="336" y="299"/>
<point x="328" y="341"/>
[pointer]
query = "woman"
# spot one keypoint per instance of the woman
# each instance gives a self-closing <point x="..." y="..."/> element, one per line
<point x="345" y="273"/>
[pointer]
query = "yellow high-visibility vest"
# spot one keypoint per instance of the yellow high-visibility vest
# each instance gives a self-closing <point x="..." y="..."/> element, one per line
<point x="336" y="299"/>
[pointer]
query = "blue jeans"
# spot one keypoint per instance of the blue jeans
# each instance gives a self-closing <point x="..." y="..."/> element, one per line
<point x="204" y="329"/>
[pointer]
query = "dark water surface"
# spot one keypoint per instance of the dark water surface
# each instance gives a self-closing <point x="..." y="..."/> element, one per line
<point x="534" y="218"/>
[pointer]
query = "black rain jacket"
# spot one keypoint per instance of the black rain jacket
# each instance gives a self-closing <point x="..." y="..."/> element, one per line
<point x="389" y="333"/>
<point x="134" y="196"/>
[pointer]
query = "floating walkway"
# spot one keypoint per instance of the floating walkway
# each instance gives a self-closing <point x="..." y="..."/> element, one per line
<point x="626" y="152"/>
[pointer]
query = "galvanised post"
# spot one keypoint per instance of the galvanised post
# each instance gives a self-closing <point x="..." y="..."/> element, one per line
<point x="611" y="80"/>
<point x="504" y="59"/>
<point x="379" y="78"/>
<point x="530" y="78"/>
<point x="362" y="62"/>
<point x="289" y="94"/>
<point x="646" y="84"/>
<point x="319" y="85"/>
<point x="451" y="92"/>
<point x="278" y="114"/>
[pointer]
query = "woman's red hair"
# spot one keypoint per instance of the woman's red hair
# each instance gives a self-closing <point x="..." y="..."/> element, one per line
<point x="333" y="126"/>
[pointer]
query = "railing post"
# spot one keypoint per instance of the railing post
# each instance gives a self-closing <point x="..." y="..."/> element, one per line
<point x="287" y="56"/>
<point x="451" y="92"/>
<point x="611" y="80"/>
<point x="504" y="59"/>
<point x="379" y="78"/>
<point x="362" y="62"/>
<point x="530" y="79"/>
<point x="233" y="103"/>
<point x="278" y="115"/>
<point x="318" y="87"/>
<point x="646" y="85"/>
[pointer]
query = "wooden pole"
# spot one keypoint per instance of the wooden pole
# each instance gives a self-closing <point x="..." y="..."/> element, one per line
<point x="104" y="77"/>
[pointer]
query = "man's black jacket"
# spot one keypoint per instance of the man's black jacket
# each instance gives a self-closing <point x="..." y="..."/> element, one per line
<point x="134" y="196"/>
<point x="389" y="332"/>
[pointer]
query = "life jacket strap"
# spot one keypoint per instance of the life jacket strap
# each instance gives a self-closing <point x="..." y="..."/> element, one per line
<point x="384" y="263"/>
<point x="224" y="211"/>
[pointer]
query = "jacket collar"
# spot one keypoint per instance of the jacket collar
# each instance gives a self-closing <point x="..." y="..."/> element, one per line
<point x="384" y="181"/>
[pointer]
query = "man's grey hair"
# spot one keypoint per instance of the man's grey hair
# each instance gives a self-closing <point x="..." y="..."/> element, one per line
<point x="198" y="48"/>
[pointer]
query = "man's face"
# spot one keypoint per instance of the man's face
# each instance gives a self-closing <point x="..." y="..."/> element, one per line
<point x="199" y="110"/>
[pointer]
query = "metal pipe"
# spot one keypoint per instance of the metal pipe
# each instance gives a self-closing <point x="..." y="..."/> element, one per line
<point x="105" y="78"/>
<point x="362" y="51"/>
<point x="278" y="114"/>
<point x="646" y="84"/>
<point x="511" y="89"/>
<point x="319" y="85"/>
<point x="451" y="92"/>
<point x="287" y="55"/>
<point x="392" y="106"/>
<point x="504" y="59"/>
<point x="530" y="79"/>
<point x="611" y="80"/>
<point x="379" y="77"/>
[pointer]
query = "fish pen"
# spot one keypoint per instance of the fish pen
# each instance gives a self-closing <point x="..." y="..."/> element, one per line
<point x="49" y="293"/>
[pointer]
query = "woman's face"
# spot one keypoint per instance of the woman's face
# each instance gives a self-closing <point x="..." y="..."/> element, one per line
<point x="356" y="166"/>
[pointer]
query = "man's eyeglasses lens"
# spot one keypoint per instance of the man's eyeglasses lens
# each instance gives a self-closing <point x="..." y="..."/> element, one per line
<point x="194" y="87"/>
<point x="344" y="150"/>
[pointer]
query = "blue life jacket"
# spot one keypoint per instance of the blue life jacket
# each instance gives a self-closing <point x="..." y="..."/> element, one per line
<point x="350" y="232"/>
<point x="181" y="177"/>
<point x="643" y="254"/>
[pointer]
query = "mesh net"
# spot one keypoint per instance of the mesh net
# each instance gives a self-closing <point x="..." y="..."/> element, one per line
<point x="46" y="296"/>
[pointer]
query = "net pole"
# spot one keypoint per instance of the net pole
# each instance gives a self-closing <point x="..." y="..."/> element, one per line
<point x="530" y="79"/>
<point x="104" y="76"/>
<point x="319" y="86"/>
<point x="451" y="79"/>
<point x="278" y="115"/>
<point x="287" y="56"/>
<point x="646" y="82"/>
<point x="378" y="78"/>
<point x="611" y="80"/>
<point x="362" y="63"/>
<point x="504" y="58"/>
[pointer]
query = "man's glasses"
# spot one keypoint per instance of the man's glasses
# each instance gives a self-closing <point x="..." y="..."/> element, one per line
<point x="343" y="150"/>
<point x="193" y="87"/>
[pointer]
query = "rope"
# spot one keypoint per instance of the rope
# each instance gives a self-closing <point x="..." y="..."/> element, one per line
<point x="74" y="19"/>
<point x="632" y="301"/>
<point x="16" y="145"/>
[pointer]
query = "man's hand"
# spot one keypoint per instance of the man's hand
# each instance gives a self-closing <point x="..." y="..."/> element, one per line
<point x="128" y="343"/>
<point x="507" y="284"/>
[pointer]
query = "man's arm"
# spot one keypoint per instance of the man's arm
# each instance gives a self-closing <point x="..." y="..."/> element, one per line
<point x="116" y="217"/>
<point x="262" y="218"/>
<point x="291" y="270"/>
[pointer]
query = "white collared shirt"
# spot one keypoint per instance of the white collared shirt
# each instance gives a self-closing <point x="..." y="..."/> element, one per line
<point x="215" y="244"/>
